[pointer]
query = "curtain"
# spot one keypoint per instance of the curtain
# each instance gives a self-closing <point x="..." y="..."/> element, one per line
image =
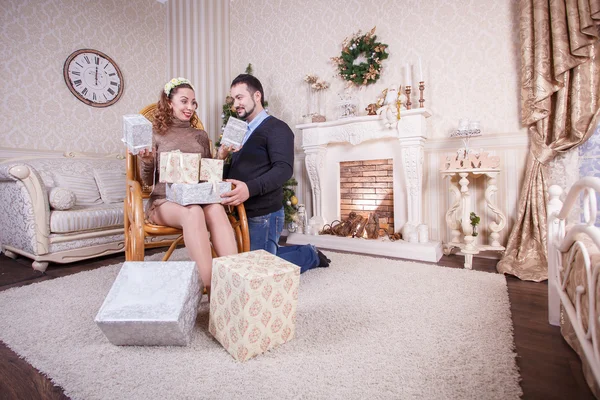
<point x="560" y="78"/>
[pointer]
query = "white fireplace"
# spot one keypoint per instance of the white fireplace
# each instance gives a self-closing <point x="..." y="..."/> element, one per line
<point x="326" y="144"/>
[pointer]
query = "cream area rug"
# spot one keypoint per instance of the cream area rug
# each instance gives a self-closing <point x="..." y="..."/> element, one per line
<point x="367" y="328"/>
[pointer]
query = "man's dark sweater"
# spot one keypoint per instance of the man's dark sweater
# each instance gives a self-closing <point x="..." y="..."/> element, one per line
<point x="264" y="163"/>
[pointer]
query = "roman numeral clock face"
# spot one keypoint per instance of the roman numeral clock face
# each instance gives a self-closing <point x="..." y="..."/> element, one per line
<point x="93" y="77"/>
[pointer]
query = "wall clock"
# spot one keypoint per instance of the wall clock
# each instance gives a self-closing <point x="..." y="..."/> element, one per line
<point x="93" y="77"/>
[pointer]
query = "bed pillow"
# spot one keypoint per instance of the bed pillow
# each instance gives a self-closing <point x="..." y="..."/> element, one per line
<point x="61" y="198"/>
<point x="84" y="187"/>
<point x="111" y="185"/>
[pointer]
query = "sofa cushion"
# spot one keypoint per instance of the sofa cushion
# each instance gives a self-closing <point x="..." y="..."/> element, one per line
<point x="81" y="218"/>
<point x="84" y="187"/>
<point x="61" y="198"/>
<point x="111" y="185"/>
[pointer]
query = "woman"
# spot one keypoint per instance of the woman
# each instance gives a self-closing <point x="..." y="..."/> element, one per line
<point x="172" y="130"/>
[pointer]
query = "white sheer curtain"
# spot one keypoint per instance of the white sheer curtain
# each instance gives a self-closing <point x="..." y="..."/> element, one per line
<point x="198" y="49"/>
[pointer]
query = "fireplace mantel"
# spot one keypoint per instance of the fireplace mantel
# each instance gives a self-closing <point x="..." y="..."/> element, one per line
<point x="325" y="144"/>
<point x="359" y="129"/>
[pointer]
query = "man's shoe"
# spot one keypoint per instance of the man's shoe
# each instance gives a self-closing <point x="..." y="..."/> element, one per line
<point x="323" y="260"/>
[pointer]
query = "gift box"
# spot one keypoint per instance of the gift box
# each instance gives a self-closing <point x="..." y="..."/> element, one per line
<point x="253" y="302"/>
<point x="151" y="304"/>
<point x="234" y="132"/>
<point x="211" y="170"/>
<point x="197" y="193"/>
<point x="178" y="167"/>
<point x="137" y="133"/>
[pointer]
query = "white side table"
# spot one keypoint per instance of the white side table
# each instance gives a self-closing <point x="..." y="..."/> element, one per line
<point x="458" y="216"/>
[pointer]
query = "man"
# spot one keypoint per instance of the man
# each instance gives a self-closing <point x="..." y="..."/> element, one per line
<point x="259" y="169"/>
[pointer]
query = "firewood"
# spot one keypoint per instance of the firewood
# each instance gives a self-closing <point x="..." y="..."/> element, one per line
<point x="356" y="225"/>
<point x="346" y="225"/>
<point x="372" y="227"/>
<point x="360" y="230"/>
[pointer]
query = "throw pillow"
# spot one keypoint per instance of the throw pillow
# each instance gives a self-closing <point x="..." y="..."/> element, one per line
<point x="61" y="198"/>
<point x="111" y="185"/>
<point x="84" y="187"/>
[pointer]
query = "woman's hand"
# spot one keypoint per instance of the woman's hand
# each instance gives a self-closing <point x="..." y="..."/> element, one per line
<point x="146" y="155"/>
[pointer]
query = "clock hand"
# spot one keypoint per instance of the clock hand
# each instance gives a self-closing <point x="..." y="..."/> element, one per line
<point x="96" y="76"/>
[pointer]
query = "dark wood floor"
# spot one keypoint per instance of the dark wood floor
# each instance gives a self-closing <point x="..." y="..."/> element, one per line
<point x="549" y="368"/>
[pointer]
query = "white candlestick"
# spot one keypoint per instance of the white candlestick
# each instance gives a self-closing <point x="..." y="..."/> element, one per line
<point x="407" y="75"/>
<point x="420" y="70"/>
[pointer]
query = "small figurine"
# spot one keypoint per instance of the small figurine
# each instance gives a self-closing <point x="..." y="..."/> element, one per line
<point x="371" y="109"/>
<point x="390" y="110"/>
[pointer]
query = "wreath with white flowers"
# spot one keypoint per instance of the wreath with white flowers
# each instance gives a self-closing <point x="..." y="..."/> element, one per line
<point x="360" y="61"/>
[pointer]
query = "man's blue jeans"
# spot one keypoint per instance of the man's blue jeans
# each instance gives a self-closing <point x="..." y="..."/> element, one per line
<point x="265" y="231"/>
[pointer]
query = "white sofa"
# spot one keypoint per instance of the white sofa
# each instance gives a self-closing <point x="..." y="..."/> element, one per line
<point x="38" y="219"/>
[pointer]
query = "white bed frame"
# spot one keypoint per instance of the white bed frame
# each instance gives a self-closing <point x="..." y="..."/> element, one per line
<point x="560" y="243"/>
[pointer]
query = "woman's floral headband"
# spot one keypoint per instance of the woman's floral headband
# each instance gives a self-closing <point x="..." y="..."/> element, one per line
<point x="173" y="83"/>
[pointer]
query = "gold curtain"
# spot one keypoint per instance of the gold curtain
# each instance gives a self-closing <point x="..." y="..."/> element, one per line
<point x="560" y="78"/>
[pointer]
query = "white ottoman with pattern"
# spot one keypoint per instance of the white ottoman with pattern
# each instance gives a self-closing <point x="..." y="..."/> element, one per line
<point x="152" y="304"/>
<point x="253" y="302"/>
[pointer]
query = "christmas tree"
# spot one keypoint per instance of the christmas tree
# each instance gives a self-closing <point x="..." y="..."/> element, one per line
<point x="290" y="201"/>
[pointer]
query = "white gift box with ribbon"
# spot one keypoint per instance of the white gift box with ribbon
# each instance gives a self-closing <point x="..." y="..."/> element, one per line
<point x="178" y="167"/>
<point x="196" y="193"/>
<point x="211" y="170"/>
<point x="137" y="133"/>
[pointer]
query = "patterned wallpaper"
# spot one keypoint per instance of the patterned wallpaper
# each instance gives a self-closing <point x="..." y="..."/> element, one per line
<point x="36" y="36"/>
<point x="469" y="50"/>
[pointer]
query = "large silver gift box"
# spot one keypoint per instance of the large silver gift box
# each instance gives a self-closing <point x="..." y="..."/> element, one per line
<point x="197" y="193"/>
<point x="137" y="133"/>
<point x="152" y="304"/>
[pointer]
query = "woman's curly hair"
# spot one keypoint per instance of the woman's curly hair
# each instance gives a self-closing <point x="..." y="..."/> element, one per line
<point x="163" y="116"/>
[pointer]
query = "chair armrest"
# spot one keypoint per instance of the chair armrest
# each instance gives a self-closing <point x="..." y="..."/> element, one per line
<point x="25" y="212"/>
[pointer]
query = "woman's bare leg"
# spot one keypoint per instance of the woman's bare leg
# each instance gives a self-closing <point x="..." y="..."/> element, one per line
<point x="223" y="238"/>
<point x="191" y="220"/>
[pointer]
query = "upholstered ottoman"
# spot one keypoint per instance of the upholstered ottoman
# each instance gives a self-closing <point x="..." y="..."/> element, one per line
<point x="152" y="304"/>
<point x="253" y="302"/>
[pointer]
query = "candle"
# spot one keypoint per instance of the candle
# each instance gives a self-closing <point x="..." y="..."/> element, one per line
<point x="420" y="70"/>
<point x="407" y="75"/>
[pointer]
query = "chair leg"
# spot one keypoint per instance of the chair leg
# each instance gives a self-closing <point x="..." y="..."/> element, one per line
<point x="134" y="243"/>
<point x="172" y="248"/>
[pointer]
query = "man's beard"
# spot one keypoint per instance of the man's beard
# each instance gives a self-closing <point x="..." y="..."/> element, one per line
<point x="245" y="116"/>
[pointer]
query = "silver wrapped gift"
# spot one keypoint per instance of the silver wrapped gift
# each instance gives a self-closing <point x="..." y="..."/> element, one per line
<point x="137" y="133"/>
<point x="197" y="193"/>
<point x="152" y="304"/>
<point x="234" y="132"/>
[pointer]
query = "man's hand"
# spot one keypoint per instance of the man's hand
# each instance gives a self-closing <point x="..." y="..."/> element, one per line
<point x="237" y="196"/>
<point x="224" y="151"/>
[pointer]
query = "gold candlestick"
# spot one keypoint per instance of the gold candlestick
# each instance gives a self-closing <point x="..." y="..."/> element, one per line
<point x="408" y="102"/>
<point x="421" y="90"/>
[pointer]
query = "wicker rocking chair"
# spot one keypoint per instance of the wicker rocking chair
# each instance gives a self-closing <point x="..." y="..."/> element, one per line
<point x="141" y="234"/>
